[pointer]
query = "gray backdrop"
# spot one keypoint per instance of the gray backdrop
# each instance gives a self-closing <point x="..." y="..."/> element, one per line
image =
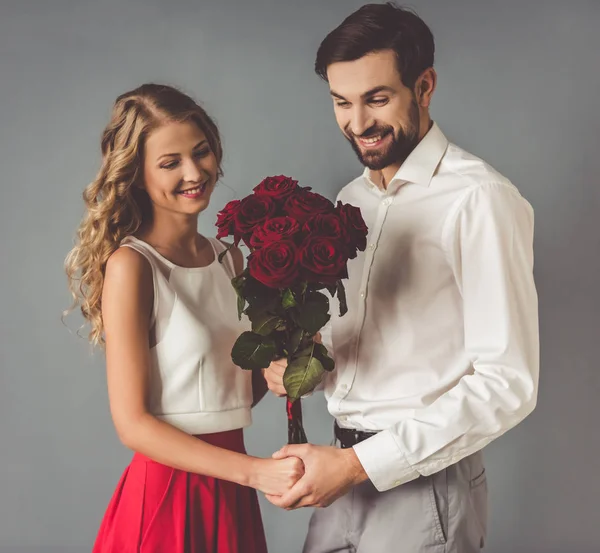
<point x="518" y="86"/>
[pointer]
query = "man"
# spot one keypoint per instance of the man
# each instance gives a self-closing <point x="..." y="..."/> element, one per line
<point x="438" y="353"/>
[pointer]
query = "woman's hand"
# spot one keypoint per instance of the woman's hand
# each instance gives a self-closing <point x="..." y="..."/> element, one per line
<point x="276" y="477"/>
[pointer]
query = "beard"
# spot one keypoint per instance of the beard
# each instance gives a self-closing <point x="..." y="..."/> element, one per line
<point x="399" y="148"/>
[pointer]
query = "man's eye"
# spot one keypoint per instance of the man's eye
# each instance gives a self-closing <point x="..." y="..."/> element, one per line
<point x="342" y="104"/>
<point x="379" y="101"/>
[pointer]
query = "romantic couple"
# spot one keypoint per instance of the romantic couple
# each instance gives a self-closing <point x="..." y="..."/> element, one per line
<point x="436" y="357"/>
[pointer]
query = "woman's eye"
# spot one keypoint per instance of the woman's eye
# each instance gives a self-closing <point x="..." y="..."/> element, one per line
<point x="169" y="165"/>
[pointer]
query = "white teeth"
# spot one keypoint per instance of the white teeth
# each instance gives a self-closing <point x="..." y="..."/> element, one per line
<point x="190" y="190"/>
<point x="371" y="140"/>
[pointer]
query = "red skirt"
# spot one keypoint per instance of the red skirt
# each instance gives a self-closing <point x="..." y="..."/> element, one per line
<point x="159" y="509"/>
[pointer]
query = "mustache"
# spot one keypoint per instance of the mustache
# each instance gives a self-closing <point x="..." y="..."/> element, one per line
<point x="374" y="130"/>
<point x="371" y="131"/>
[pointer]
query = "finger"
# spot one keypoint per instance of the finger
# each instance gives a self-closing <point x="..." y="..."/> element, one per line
<point x="274" y="383"/>
<point x="279" y="366"/>
<point x="294" y="495"/>
<point x="303" y="502"/>
<point x="274" y="499"/>
<point x="279" y="392"/>
<point x="279" y="454"/>
<point x="288" y="451"/>
<point x="277" y="389"/>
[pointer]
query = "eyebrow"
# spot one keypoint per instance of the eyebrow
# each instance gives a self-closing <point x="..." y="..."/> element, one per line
<point x="368" y="93"/>
<point x="201" y="143"/>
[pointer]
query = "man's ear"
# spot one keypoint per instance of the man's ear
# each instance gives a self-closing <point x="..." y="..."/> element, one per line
<point x="425" y="86"/>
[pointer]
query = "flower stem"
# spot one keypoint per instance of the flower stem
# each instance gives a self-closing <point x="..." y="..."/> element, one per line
<point x="296" y="434"/>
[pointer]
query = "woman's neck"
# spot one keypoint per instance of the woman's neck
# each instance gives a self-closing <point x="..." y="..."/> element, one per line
<point x="174" y="232"/>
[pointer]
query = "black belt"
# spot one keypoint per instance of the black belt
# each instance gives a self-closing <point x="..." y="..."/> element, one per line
<point x="349" y="437"/>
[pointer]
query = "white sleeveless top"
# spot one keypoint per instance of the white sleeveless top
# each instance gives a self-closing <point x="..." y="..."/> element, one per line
<point x="193" y="383"/>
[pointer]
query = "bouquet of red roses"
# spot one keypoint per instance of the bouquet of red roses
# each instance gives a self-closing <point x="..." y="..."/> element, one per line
<point x="300" y="244"/>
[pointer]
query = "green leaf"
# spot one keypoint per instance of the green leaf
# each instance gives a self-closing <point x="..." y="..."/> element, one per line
<point x="341" y="293"/>
<point x="314" y="314"/>
<point x="302" y="376"/>
<point x="252" y="351"/>
<point x="257" y="290"/>
<point x="307" y="350"/>
<point x="261" y="297"/>
<point x="288" y="299"/>
<point x="224" y="253"/>
<point x="255" y="311"/>
<point x="331" y="288"/>
<point x="265" y="323"/>
<point x="294" y="341"/>
<point x="261" y="315"/>
<point x="241" y="303"/>
<point x="321" y="353"/>
<point x="238" y="282"/>
<point x="238" y="285"/>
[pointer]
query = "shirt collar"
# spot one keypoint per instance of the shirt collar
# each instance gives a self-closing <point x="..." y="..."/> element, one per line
<point x="422" y="162"/>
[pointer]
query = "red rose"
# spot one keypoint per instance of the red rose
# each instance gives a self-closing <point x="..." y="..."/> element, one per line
<point x="277" y="228"/>
<point x="275" y="265"/>
<point x="252" y="212"/>
<point x="329" y="224"/>
<point x="323" y="259"/>
<point x="325" y="224"/>
<point x="226" y="219"/>
<point x="278" y="188"/>
<point x="305" y="204"/>
<point x="355" y="227"/>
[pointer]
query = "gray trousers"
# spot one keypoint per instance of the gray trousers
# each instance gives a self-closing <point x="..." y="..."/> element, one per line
<point x="442" y="513"/>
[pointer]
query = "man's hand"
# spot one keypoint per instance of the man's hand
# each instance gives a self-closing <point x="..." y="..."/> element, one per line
<point x="274" y="373"/>
<point x="274" y="377"/>
<point x="329" y="473"/>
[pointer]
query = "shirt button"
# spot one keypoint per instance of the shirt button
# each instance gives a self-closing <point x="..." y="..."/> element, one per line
<point x="344" y="387"/>
<point x="362" y="294"/>
<point x="372" y="246"/>
<point x="387" y="201"/>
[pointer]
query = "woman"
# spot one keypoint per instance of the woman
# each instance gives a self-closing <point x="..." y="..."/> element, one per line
<point x="155" y="294"/>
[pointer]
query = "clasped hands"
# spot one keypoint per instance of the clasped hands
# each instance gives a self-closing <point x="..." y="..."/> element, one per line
<point x="329" y="472"/>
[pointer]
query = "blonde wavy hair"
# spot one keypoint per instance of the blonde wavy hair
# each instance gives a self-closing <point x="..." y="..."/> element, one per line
<point x="115" y="206"/>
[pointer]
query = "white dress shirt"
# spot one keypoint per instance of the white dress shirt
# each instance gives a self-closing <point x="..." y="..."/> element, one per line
<point x="439" y="350"/>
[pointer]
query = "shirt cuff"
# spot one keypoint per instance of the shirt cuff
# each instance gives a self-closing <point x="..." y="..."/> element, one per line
<point x="383" y="461"/>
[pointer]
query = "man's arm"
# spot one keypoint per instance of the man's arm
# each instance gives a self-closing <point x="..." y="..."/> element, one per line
<point x="490" y="246"/>
<point x="489" y="242"/>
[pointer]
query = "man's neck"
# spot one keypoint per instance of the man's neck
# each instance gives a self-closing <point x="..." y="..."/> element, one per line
<point x="383" y="177"/>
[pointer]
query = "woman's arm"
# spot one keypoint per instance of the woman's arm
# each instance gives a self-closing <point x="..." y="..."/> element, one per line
<point x="126" y="309"/>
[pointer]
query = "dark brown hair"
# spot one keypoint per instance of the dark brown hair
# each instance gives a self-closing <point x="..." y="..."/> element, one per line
<point x="376" y="27"/>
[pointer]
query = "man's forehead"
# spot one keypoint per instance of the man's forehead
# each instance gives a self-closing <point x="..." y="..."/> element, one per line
<point x="377" y="69"/>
